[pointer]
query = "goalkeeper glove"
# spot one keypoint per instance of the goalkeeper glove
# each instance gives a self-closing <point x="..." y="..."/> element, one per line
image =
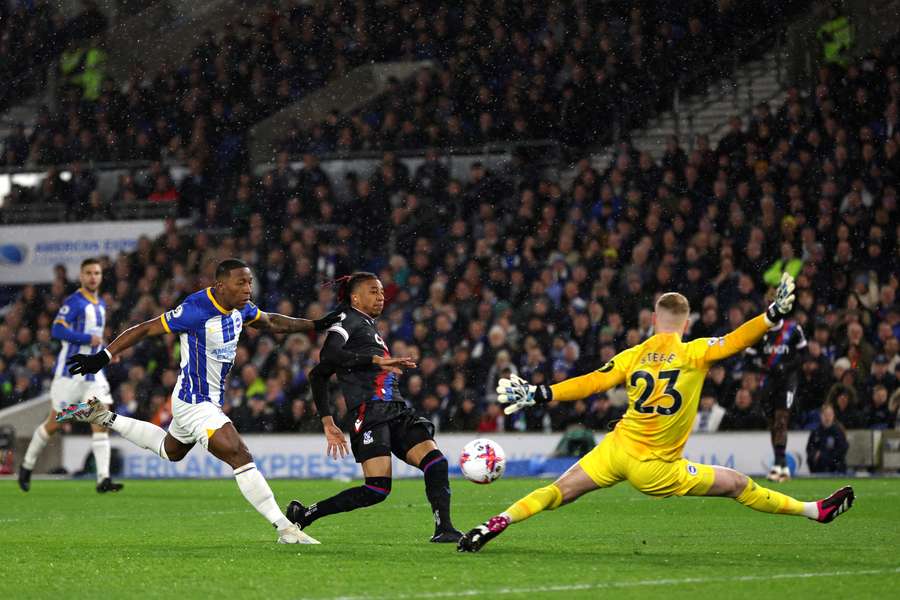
<point x="784" y="300"/>
<point x="517" y="394"/>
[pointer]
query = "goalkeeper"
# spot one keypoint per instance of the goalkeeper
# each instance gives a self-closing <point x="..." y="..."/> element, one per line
<point x="663" y="377"/>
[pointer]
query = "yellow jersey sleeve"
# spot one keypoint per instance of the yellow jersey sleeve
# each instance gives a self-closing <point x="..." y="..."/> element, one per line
<point x="704" y="351"/>
<point x="606" y="377"/>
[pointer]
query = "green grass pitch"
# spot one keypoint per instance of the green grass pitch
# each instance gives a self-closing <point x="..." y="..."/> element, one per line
<point x="200" y="539"/>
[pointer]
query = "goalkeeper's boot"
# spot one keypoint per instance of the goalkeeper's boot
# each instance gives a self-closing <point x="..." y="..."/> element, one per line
<point x="93" y="411"/>
<point x="835" y="504"/>
<point x="446" y="536"/>
<point x="475" y="539"/>
<point x="24" y="478"/>
<point x="293" y="535"/>
<point x="107" y="485"/>
<point x="296" y="513"/>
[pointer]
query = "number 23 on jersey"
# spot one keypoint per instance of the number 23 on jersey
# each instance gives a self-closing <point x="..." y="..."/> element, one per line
<point x="647" y="394"/>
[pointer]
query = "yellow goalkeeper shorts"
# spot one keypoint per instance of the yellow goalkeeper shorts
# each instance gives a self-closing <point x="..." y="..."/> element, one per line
<point x="608" y="464"/>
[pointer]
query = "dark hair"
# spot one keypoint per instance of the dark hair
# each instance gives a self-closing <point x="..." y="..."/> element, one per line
<point x="347" y="284"/>
<point x="229" y="264"/>
<point x="89" y="261"/>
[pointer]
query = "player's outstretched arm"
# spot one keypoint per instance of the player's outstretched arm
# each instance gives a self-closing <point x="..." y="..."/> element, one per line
<point x="276" y="323"/>
<point x="517" y="394"/>
<point x="333" y="352"/>
<point x="749" y="333"/>
<point x="82" y="364"/>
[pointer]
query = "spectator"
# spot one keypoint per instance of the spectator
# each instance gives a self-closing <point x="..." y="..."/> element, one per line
<point x="709" y="415"/>
<point x="878" y="414"/>
<point x="859" y="351"/>
<point x="844" y="402"/>
<point x="465" y="418"/>
<point x="295" y="417"/>
<point x="603" y="414"/>
<point x="491" y="420"/>
<point x="745" y="414"/>
<point x="826" y="450"/>
<point x="256" y="416"/>
<point x="880" y="375"/>
<point x="163" y="190"/>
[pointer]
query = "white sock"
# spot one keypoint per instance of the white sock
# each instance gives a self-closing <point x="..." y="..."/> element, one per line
<point x="38" y="443"/>
<point x="141" y="433"/>
<point x="100" y="445"/>
<point x="811" y="510"/>
<point x="258" y="493"/>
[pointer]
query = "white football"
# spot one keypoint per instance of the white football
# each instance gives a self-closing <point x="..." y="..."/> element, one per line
<point x="482" y="461"/>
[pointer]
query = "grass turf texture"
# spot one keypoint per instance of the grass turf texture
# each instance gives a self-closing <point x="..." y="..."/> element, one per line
<point x="200" y="539"/>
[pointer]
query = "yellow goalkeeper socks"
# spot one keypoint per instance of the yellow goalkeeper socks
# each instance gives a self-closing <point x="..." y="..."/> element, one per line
<point x="770" y="501"/>
<point x="545" y="498"/>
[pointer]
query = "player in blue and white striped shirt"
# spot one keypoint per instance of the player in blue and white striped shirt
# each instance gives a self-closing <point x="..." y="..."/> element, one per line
<point x="209" y="323"/>
<point x="79" y="326"/>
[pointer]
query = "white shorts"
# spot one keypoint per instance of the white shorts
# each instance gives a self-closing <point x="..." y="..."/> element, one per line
<point x="192" y="423"/>
<point x="67" y="390"/>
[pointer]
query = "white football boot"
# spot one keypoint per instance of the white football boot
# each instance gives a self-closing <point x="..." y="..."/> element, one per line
<point x="293" y="535"/>
<point x="785" y="473"/>
<point x="779" y="474"/>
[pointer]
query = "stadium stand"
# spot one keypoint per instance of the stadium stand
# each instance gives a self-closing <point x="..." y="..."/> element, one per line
<point x="508" y="72"/>
<point x="534" y="71"/>
<point x="498" y="269"/>
<point x="32" y="35"/>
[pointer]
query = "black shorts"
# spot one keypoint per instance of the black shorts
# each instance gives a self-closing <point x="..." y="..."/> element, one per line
<point x="381" y="428"/>
<point x="778" y="393"/>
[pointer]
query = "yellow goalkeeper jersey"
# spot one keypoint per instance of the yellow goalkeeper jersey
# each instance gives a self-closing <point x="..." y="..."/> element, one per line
<point x="663" y="377"/>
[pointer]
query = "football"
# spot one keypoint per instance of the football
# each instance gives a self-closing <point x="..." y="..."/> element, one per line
<point x="482" y="461"/>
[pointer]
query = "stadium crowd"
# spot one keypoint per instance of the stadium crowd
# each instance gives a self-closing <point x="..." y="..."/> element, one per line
<point x="32" y="35"/>
<point x="501" y="71"/>
<point x="541" y="71"/>
<point x="509" y="271"/>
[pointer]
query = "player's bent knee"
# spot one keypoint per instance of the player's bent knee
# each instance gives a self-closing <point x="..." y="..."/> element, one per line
<point x="237" y="457"/>
<point x="243" y="456"/>
<point x="739" y="484"/>
<point x="174" y="450"/>
<point x="176" y="455"/>
<point x="377" y="489"/>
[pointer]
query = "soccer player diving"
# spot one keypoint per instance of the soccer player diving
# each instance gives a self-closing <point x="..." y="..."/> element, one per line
<point x="209" y="323"/>
<point x="663" y="377"/>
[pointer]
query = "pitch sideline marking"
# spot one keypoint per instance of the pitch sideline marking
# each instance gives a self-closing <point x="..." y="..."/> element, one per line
<point x="625" y="584"/>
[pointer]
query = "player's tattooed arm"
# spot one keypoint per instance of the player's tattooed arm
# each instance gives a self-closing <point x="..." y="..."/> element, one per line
<point x="82" y="364"/>
<point x="276" y="323"/>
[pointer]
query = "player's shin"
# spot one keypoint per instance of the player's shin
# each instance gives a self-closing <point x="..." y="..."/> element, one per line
<point x="102" y="451"/>
<point x="256" y="490"/>
<point x="375" y="490"/>
<point x="437" y="488"/>
<point x="541" y="499"/>
<point x="38" y="443"/>
<point x="140" y="433"/>
<point x="769" y="501"/>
